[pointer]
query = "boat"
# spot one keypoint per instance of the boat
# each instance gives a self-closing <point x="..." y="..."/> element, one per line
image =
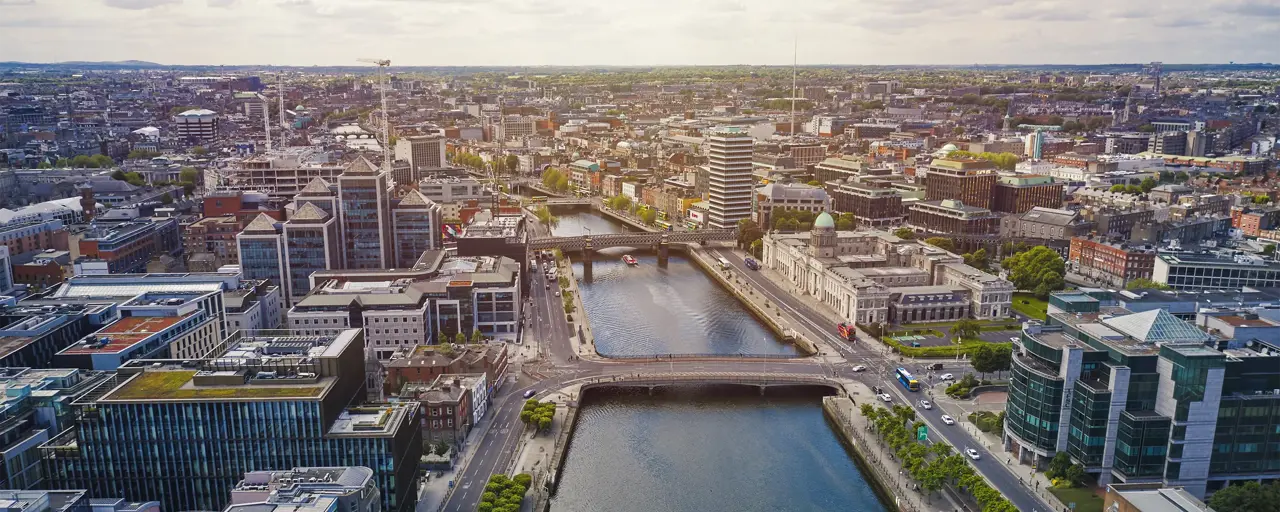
<point x="630" y="260"/>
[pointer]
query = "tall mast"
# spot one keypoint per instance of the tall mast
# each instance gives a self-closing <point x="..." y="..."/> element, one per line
<point x="793" y="86"/>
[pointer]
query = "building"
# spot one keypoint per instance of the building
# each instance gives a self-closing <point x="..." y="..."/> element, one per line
<point x="1194" y="271"/>
<point x="1168" y="143"/>
<point x="450" y="406"/>
<point x="323" y="489"/>
<point x="865" y="275"/>
<point x="970" y="180"/>
<point x="35" y="235"/>
<point x="1143" y="397"/>
<point x="729" y="177"/>
<point x="262" y="252"/>
<point x="787" y="196"/>
<point x="263" y="403"/>
<point x="215" y="236"/>
<point x="70" y="501"/>
<point x="416" y="222"/>
<point x="426" y="363"/>
<point x="845" y="167"/>
<point x="871" y="205"/>
<point x="125" y="248"/>
<point x="1111" y="264"/>
<point x="1169" y="193"/>
<point x="153" y="325"/>
<point x="952" y="216"/>
<point x="366" y="216"/>
<point x="1046" y="223"/>
<point x="255" y="305"/>
<point x="1150" y="498"/>
<point x="34" y="410"/>
<point x="453" y="189"/>
<point x="1021" y="193"/>
<point x="311" y="244"/>
<point x="32" y="333"/>
<point x="196" y="125"/>
<point x="423" y="152"/>
<point x="280" y="173"/>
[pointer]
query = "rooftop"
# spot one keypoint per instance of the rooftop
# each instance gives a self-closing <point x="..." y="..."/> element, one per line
<point x="178" y="385"/>
<point x="123" y="334"/>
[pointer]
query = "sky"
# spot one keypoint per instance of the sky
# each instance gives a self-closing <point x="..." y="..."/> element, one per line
<point x="640" y="32"/>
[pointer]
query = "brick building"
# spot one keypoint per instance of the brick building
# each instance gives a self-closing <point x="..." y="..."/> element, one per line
<point x="950" y="216"/>
<point x="1112" y="264"/>
<point x="968" y="180"/>
<point x="1021" y="193"/>
<point x="425" y="363"/>
<point x="215" y="236"/>
<point x="25" y="237"/>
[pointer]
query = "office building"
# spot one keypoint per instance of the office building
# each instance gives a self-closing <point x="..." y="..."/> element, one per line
<point x="1046" y="223"/>
<point x="790" y="197"/>
<point x="311" y="244"/>
<point x="1168" y="143"/>
<point x="70" y="501"/>
<point x="423" y="152"/>
<point x="424" y="364"/>
<point x="262" y="252"/>
<point x="951" y="216"/>
<point x="729" y="177"/>
<point x="1188" y="271"/>
<point x="6" y="271"/>
<point x="365" y="195"/>
<point x="871" y="205"/>
<point x="1021" y="193"/>
<point x="214" y="236"/>
<point x="269" y="402"/>
<point x="32" y="333"/>
<point x="334" y="489"/>
<point x="196" y="125"/>
<point x="255" y="305"/>
<point x="34" y="235"/>
<point x="970" y="180"/>
<point x="416" y="223"/>
<point x="1110" y="263"/>
<point x="151" y="325"/>
<point x="847" y="167"/>
<point x="125" y="248"/>
<point x="1145" y="397"/>
<point x="35" y="408"/>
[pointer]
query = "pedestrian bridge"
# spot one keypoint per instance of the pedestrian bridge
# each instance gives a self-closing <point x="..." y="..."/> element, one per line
<point x="577" y="243"/>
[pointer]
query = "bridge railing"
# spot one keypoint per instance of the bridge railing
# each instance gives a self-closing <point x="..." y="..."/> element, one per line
<point x="679" y="357"/>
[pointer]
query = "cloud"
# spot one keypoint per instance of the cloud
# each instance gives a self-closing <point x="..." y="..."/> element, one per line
<point x="138" y="5"/>
<point x="1265" y="10"/>
<point x="221" y="3"/>
<point x="8" y="3"/>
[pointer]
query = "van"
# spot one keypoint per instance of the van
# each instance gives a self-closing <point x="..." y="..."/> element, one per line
<point x="751" y="264"/>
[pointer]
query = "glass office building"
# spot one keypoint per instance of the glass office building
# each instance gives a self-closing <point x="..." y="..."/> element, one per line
<point x="1148" y="397"/>
<point x="311" y="245"/>
<point x="366" y="216"/>
<point x="261" y="251"/>
<point x="184" y="432"/>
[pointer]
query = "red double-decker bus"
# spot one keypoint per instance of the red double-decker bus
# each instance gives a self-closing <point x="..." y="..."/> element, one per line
<point x="848" y="331"/>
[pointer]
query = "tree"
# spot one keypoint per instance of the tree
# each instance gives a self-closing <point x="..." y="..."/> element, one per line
<point x="1038" y="266"/>
<point x="188" y="174"/>
<point x="477" y="336"/>
<point x="1147" y="128"/>
<point x="44" y="165"/>
<point x="188" y="188"/>
<point x="1075" y="475"/>
<point x="649" y="216"/>
<point x="749" y="232"/>
<point x="544" y="422"/>
<point x="562" y="184"/>
<point x="1132" y="189"/>
<point x="1058" y="465"/>
<point x="459" y="338"/>
<point x="1147" y="184"/>
<point x="1143" y="283"/>
<point x="990" y="358"/>
<point x="957" y="131"/>
<point x="199" y="151"/>
<point x="442" y="447"/>
<point x="846" y="222"/>
<point x="167" y="198"/>
<point x="1248" y="496"/>
<point x="118" y="175"/>
<point x="512" y="163"/>
<point x="756" y="247"/>
<point x="942" y="243"/>
<point x="966" y="328"/>
<point x="1261" y="199"/>
<point x="1119" y="188"/>
<point x="814" y="183"/>
<point x="62" y="162"/>
<point x="904" y="233"/>
<point x="978" y="259"/>
<point x="545" y="216"/>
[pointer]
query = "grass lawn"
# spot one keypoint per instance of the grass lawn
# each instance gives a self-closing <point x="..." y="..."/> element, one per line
<point x="1084" y="498"/>
<point x="169" y="385"/>
<point x="966" y="346"/>
<point x="1029" y="305"/>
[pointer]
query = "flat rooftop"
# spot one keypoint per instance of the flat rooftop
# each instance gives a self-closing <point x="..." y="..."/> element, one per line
<point x="178" y="384"/>
<point x="123" y="334"/>
<point x="366" y="420"/>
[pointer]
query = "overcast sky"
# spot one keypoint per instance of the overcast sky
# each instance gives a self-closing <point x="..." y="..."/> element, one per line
<point x="640" y="32"/>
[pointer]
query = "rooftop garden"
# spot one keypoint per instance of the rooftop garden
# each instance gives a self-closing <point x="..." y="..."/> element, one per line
<point x="168" y="385"/>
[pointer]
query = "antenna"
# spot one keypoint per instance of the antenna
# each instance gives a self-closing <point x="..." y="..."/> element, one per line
<point x="386" y="122"/>
<point x="794" y="53"/>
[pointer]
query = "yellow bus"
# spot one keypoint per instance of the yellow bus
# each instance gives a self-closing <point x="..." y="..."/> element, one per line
<point x="663" y="225"/>
<point x="538" y="199"/>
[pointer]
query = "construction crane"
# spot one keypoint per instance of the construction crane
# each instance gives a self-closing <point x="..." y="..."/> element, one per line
<point x="383" y="64"/>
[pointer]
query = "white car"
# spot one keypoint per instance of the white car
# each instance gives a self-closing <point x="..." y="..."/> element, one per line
<point x="948" y="420"/>
<point x="926" y="404"/>
<point x="859" y="368"/>
<point x="557" y="293"/>
<point x="947" y="376"/>
<point x="1014" y="339"/>
<point x="885" y="397"/>
<point x="973" y="454"/>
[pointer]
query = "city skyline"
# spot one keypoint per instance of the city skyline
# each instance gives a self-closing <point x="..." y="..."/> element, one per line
<point x="560" y="32"/>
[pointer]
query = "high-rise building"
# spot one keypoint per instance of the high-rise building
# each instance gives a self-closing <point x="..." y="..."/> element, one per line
<point x="729" y="177"/>
<point x="34" y="411"/>
<point x="346" y="489"/>
<point x="416" y="221"/>
<point x="311" y="245"/>
<point x="183" y="432"/>
<point x="196" y="125"/>
<point x="366" y="216"/>
<point x="969" y="180"/>
<point x="262" y="252"/>
<point x="423" y="152"/>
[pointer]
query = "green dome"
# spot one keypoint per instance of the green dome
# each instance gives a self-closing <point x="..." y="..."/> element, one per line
<point x="824" y="221"/>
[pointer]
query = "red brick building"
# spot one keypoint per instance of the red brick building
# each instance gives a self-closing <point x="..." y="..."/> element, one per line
<point x="427" y="362"/>
<point x="1019" y="194"/>
<point x="968" y="180"/>
<point x="22" y="238"/>
<point x="1110" y="264"/>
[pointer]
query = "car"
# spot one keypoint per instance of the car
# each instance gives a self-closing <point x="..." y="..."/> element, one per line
<point x="926" y="404"/>
<point x="529" y="394"/>
<point x="948" y="420"/>
<point x="876" y="390"/>
<point x="935" y="366"/>
<point x="885" y="397"/>
<point x="973" y="454"/>
<point x="557" y="293"/>
<point x="947" y="376"/>
<point x="859" y="368"/>
<point x="548" y="286"/>
<point x="1014" y="339"/>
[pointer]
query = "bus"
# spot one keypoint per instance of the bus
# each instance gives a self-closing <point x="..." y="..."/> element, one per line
<point x="662" y="225"/>
<point x="691" y="225"/>
<point x="662" y="215"/>
<point x="847" y="331"/>
<point x="724" y="264"/>
<point x="538" y="199"/>
<point x="907" y="380"/>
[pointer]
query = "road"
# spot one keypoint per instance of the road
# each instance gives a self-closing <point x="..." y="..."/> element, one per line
<point x="499" y="439"/>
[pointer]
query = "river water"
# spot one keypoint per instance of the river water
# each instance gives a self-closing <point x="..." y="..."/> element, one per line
<point x="708" y="448"/>
<point x="647" y="310"/>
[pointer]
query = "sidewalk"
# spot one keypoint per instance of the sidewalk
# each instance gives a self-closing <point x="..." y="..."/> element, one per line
<point x="585" y="350"/>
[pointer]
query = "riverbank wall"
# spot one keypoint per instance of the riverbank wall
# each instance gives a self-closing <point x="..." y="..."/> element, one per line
<point x="839" y="411"/>
<point x="770" y="317"/>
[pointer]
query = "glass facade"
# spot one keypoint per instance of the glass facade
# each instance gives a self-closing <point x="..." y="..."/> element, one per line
<point x="260" y="258"/>
<point x="415" y="234"/>
<point x="1247" y="439"/>
<point x="1087" y="439"/>
<point x="495" y="311"/>
<point x="364" y="219"/>
<point x="1142" y="445"/>
<point x="1034" y="408"/>
<point x="307" y="253"/>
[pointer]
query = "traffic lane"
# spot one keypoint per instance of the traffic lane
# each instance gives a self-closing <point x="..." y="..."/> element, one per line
<point x="484" y="462"/>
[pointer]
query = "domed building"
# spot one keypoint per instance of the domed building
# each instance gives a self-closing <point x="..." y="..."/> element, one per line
<point x="945" y="150"/>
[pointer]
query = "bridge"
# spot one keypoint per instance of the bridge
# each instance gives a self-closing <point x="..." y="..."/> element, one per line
<point x="653" y="238"/>
<point x="759" y="380"/>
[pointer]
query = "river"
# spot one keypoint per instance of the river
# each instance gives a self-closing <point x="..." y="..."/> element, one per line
<point x="648" y="310"/>
<point x="708" y="448"/>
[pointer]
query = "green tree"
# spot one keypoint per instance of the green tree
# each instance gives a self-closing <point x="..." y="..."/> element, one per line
<point x="1058" y="465"/>
<point x="1143" y="283"/>
<point x="1181" y="176"/>
<point x="62" y="162"/>
<point x="1075" y="475"/>
<point x="957" y="131"/>
<point x="477" y="336"/>
<point x="749" y="232"/>
<point x="1147" y="128"/>
<point x="44" y="165"/>
<point x="188" y="188"/>
<point x="756" y="247"/>
<point x="199" y="151"/>
<point x="545" y="216"/>
<point x="544" y="423"/>
<point x="1033" y="268"/>
<point x="442" y="447"/>
<point x="1132" y="189"/>
<point x="942" y="243"/>
<point x="814" y="183"/>
<point x="459" y="338"/>
<point x="990" y="358"/>
<point x="1261" y="199"/>
<point x="167" y="198"/>
<point x="1250" y="496"/>
<point x="1119" y="188"/>
<point x="118" y="175"/>
<point x="562" y="184"/>
<point x="649" y="216"/>
<point x="978" y="259"/>
<point x="966" y="328"/>
<point x="904" y="233"/>
<point x="188" y="174"/>
<point x="512" y="163"/>
<point x="1147" y="184"/>
<point x="846" y="222"/>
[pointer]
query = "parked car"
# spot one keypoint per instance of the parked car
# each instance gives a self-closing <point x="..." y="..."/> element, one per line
<point x="885" y="397"/>
<point x="859" y="368"/>
<point x="876" y="389"/>
<point x="948" y="420"/>
<point x="926" y="404"/>
<point x="973" y="454"/>
<point x="1014" y="339"/>
<point x="947" y="376"/>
